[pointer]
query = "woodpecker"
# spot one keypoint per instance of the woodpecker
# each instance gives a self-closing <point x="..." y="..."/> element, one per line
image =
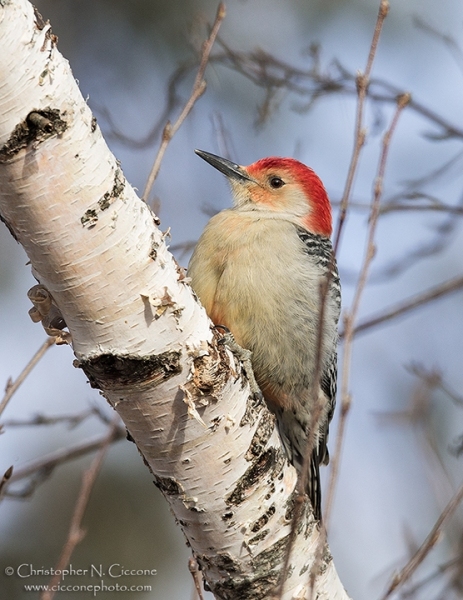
<point x="257" y="269"/>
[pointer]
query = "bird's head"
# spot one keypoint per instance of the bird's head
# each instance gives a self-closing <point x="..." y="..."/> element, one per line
<point x="280" y="187"/>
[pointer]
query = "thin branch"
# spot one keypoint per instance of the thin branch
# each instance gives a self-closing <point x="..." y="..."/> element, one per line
<point x="199" y="87"/>
<point x="181" y="249"/>
<point x="362" y="82"/>
<point x="172" y="102"/>
<point x="301" y="486"/>
<point x="350" y="317"/>
<point x="273" y="74"/>
<point x="396" y="204"/>
<point x="439" y="172"/>
<point x="448" y="566"/>
<point x="439" y="242"/>
<point x="450" y="130"/>
<point x="442" y="239"/>
<point x="435" y="207"/>
<point x="44" y="466"/>
<point x="302" y="478"/>
<point x="11" y="386"/>
<point x="428" y="544"/>
<point x="434" y="380"/>
<point x="73" y="420"/>
<point x="362" y="85"/>
<point x="196" y="575"/>
<point x="6" y="477"/>
<point x="222" y="135"/>
<point x="446" y="39"/>
<point x="76" y="532"/>
<point x="453" y="285"/>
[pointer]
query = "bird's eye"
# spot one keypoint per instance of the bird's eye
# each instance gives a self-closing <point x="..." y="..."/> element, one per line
<point x="276" y="182"/>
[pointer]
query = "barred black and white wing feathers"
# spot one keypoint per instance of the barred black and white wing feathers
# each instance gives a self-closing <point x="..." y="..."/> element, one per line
<point x="319" y="249"/>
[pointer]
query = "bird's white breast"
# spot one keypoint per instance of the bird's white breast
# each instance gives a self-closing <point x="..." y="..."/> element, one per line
<point x="252" y="274"/>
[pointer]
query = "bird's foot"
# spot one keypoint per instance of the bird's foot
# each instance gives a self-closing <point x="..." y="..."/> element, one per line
<point x="243" y="355"/>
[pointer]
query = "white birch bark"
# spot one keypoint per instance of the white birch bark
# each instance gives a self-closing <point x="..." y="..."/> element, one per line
<point x="137" y="330"/>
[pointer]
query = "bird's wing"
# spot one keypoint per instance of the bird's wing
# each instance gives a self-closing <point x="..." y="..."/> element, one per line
<point x="319" y="248"/>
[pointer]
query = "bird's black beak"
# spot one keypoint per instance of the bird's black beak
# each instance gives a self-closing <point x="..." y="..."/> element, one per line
<point x="228" y="168"/>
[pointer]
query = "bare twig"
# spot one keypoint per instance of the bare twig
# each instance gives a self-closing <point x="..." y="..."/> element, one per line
<point x="454" y="563"/>
<point x="397" y="203"/>
<point x="173" y="101"/>
<point x="40" y="419"/>
<point x="431" y="540"/>
<point x="446" y="208"/>
<point x="301" y="487"/>
<point x="297" y="512"/>
<point x="182" y="248"/>
<point x="350" y="317"/>
<point x="434" y="379"/>
<point x="453" y="285"/>
<point x="394" y="205"/>
<point x="12" y="386"/>
<point x="441" y="241"/>
<point x="273" y="74"/>
<point x="45" y="465"/>
<point x="6" y="477"/>
<point x="390" y="94"/>
<point x="199" y="87"/>
<point x="362" y="85"/>
<point x="223" y="136"/>
<point x="76" y="532"/>
<point x="362" y="82"/>
<point x="448" y="40"/>
<point x="196" y="574"/>
<point x="439" y="172"/>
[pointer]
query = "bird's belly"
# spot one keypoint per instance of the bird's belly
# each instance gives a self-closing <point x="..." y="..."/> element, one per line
<point x="279" y="327"/>
<point x="257" y="279"/>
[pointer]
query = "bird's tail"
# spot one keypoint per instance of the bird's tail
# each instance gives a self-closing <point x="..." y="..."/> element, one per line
<point x="294" y="437"/>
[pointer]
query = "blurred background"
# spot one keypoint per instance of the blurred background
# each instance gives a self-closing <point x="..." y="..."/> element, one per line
<point x="402" y="460"/>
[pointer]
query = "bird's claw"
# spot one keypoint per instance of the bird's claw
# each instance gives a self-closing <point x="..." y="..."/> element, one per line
<point x="243" y="355"/>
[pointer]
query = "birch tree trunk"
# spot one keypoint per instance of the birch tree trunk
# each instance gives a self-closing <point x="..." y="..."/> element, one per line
<point x="138" y="332"/>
